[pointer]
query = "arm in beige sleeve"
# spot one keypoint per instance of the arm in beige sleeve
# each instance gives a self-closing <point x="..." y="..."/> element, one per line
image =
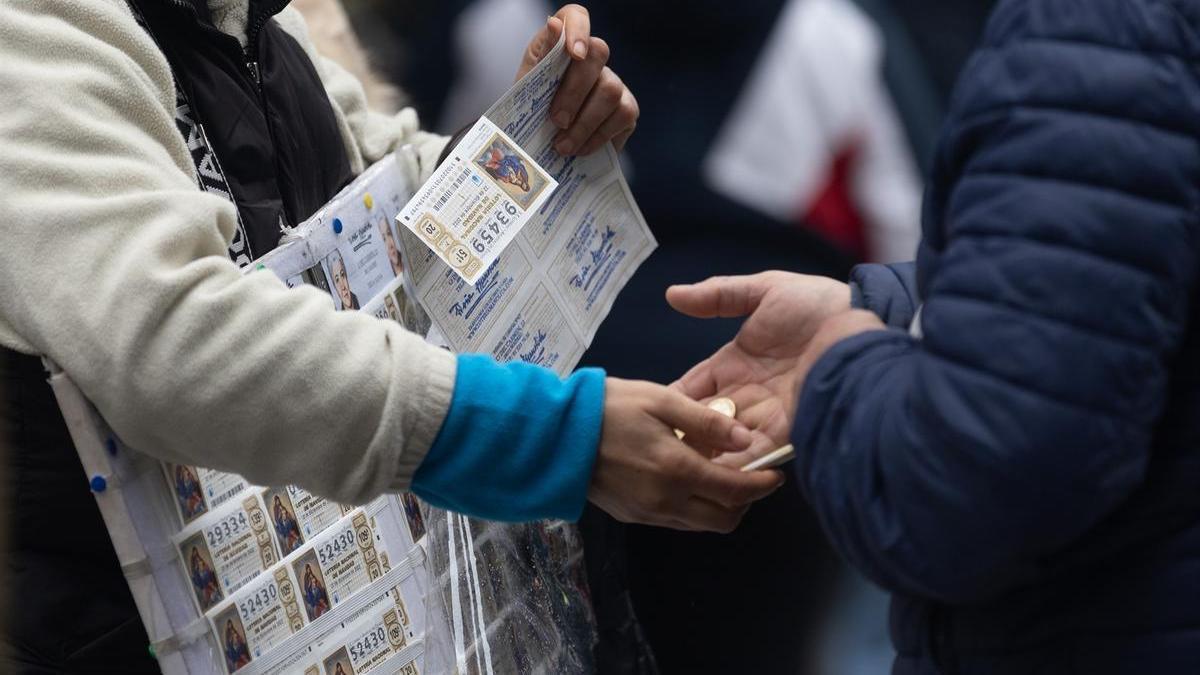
<point x="114" y="266"/>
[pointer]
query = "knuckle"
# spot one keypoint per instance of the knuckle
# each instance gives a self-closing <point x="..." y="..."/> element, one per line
<point x="600" y="50"/>
<point x="629" y="105"/>
<point x="610" y="89"/>
<point x="578" y="134"/>
<point x="660" y="397"/>
<point x="674" y="465"/>
<point x="713" y="423"/>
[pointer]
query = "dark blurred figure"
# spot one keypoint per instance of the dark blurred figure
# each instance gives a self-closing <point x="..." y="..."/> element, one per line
<point x="753" y="601"/>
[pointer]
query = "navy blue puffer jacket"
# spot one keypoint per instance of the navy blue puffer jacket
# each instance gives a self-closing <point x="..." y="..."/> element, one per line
<point x="1018" y="460"/>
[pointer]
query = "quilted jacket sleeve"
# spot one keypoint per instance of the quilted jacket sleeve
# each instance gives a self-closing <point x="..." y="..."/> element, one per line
<point x="1058" y="269"/>
<point x="890" y="291"/>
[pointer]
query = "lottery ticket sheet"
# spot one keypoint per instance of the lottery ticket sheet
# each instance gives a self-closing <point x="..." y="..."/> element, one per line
<point x="558" y="263"/>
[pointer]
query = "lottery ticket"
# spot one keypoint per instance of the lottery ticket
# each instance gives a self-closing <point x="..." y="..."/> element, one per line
<point x="395" y="304"/>
<point x="477" y="200"/>
<point x="298" y="515"/>
<point x="197" y="490"/>
<point x="392" y="607"/>
<point x="256" y="618"/>
<point x="543" y="297"/>
<point x="225" y="549"/>
<point x="349" y="247"/>
<point x="337" y="563"/>
<point x="369" y="642"/>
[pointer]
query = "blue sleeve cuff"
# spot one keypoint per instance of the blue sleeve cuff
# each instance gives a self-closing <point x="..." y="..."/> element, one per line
<point x="518" y="442"/>
<point x="889" y="291"/>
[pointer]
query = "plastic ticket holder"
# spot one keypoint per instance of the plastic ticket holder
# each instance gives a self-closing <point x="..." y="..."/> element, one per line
<point x="127" y="488"/>
<point x="493" y="598"/>
<point x="511" y="598"/>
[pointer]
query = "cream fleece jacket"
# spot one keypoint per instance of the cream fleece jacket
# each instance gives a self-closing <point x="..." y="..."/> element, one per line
<point x="113" y="264"/>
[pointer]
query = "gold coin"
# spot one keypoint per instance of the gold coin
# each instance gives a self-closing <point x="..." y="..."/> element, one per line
<point x="725" y="406"/>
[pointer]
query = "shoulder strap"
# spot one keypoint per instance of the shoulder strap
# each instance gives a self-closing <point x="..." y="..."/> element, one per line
<point x="209" y="175"/>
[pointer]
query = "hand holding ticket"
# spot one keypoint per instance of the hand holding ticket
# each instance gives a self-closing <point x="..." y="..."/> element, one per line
<point x="477" y="200"/>
<point x="513" y="248"/>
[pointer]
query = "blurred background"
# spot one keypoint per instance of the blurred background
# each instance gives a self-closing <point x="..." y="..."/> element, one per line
<point x="774" y="134"/>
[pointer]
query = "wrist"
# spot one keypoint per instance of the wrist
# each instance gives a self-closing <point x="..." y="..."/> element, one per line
<point x="838" y="298"/>
<point x="519" y="429"/>
<point x="833" y="330"/>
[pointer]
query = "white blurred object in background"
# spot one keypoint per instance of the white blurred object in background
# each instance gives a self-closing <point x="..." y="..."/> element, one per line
<point x="490" y="38"/>
<point x="816" y="139"/>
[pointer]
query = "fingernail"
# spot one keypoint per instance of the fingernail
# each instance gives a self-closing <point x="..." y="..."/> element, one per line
<point x="580" y="49"/>
<point x="741" y="436"/>
<point x="564" y="146"/>
<point x="562" y="119"/>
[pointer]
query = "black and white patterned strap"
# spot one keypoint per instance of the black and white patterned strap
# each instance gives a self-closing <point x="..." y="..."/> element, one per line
<point x="209" y="175"/>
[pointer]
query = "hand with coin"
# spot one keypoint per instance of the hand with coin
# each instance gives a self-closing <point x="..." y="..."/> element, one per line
<point x="645" y="474"/>
<point x="761" y="370"/>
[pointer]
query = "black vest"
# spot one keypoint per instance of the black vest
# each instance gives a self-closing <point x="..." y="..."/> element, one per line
<point x="266" y="116"/>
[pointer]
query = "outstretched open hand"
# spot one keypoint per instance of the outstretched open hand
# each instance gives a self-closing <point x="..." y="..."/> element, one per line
<point x="760" y="368"/>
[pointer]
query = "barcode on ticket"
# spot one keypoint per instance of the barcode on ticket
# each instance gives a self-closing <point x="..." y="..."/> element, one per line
<point x="462" y="178"/>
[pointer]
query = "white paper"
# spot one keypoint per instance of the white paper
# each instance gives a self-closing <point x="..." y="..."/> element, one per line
<point x="544" y="297"/>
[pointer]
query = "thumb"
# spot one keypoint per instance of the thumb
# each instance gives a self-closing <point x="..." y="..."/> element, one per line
<point x="541" y="44"/>
<point x="701" y="425"/>
<point x="719" y="296"/>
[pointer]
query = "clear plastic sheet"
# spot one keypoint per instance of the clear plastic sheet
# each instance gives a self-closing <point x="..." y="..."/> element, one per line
<point x="506" y="598"/>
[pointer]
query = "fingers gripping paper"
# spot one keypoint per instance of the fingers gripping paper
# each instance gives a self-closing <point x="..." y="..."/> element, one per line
<point x="231" y="577"/>
<point x="545" y="263"/>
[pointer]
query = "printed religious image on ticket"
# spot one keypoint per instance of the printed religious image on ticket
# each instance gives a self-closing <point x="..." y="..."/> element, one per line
<point x="198" y="490"/>
<point x="477" y="200"/>
<point x="297" y="515"/>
